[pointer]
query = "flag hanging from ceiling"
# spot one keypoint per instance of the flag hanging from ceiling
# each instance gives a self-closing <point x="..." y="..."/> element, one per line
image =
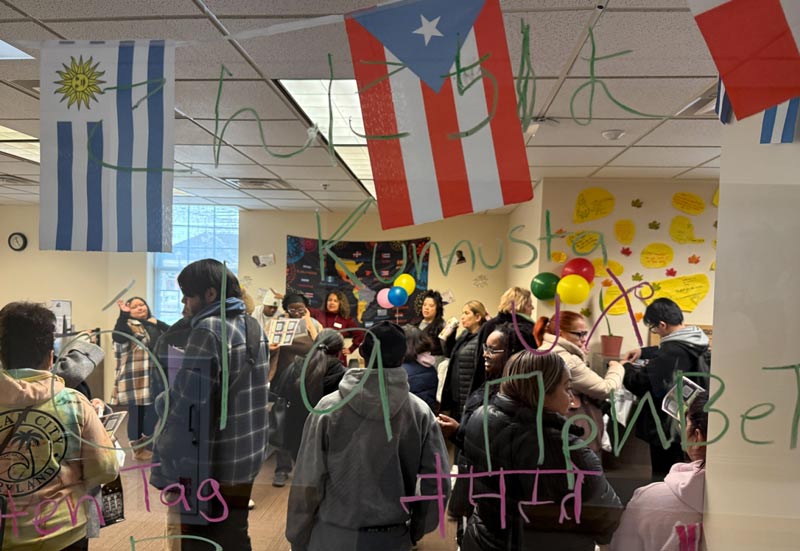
<point x="107" y="145"/>
<point x="440" y="144"/>
<point x="780" y="123"/>
<point x="722" y="107"/>
<point x="756" y="47"/>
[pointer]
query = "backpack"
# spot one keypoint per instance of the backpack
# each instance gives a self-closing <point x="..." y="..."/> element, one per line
<point x="703" y="365"/>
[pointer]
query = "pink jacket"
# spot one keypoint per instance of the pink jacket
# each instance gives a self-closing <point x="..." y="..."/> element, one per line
<point x="663" y="514"/>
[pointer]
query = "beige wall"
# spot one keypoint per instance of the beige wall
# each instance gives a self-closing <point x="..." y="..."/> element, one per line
<point x="753" y="491"/>
<point x="263" y="232"/>
<point x="89" y="279"/>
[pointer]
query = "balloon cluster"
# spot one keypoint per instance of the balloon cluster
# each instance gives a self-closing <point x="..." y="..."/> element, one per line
<point x="572" y="286"/>
<point x="397" y="295"/>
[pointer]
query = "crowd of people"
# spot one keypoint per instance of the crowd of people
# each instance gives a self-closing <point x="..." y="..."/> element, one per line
<point x="510" y="401"/>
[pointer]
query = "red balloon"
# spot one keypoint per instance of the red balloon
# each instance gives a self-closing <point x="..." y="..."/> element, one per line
<point x="581" y="267"/>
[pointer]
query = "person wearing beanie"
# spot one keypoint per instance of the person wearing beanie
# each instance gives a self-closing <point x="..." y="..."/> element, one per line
<point x="341" y="497"/>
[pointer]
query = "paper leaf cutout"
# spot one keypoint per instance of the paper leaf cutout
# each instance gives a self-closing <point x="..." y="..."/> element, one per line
<point x="480" y="281"/>
<point x="638" y="316"/>
<point x="637" y="277"/>
<point x="586" y="312"/>
<point x="656" y="287"/>
<point x="713" y="267"/>
<point x="558" y="256"/>
<point x="637" y="203"/>
<point x="654" y="225"/>
<point x="715" y="223"/>
<point x="607" y="282"/>
<point x="694" y="259"/>
<point x="560" y="231"/>
<point x="671" y="272"/>
<point x="626" y="251"/>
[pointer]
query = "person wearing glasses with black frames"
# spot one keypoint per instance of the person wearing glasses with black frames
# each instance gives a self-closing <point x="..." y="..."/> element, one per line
<point x="589" y="389"/>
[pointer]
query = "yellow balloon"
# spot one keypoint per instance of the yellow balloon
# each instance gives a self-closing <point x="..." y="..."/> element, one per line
<point x="406" y="282"/>
<point x="573" y="289"/>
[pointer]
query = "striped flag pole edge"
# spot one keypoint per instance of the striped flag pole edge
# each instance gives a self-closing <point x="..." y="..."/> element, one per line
<point x="155" y="150"/>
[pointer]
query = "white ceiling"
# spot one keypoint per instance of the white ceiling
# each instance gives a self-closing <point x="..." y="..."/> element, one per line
<point x="668" y="67"/>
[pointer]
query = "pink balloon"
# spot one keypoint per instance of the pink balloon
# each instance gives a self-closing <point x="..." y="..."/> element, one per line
<point x="383" y="298"/>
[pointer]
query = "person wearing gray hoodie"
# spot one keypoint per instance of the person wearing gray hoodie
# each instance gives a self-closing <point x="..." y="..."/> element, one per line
<point x="679" y="350"/>
<point x="350" y="475"/>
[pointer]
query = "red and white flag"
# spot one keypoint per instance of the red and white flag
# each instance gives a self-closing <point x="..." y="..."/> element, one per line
<point x="756" y="46"/>
<point x="430" y="173"/>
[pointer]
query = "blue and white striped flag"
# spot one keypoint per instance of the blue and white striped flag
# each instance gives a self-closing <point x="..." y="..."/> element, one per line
<point x="723" y="107"/>
<point x="107" y="145"/>
<point x="780" y="123"/>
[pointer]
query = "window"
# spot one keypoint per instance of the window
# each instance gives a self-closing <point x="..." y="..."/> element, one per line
<point x="198" y="231"/>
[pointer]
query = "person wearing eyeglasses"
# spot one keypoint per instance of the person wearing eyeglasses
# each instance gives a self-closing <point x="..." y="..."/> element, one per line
<point x="500" y="345"/>
<point x="296" y="307"/>
<point x="589" y="389"/>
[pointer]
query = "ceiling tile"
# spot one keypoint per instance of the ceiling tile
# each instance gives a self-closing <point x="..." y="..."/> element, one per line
<point x="313" y="156"/>
<point x="662" y="44"/>
<point x="197" y="183"/>
<point x="234" y="171"/>
<point x="220" y="192"/>
<point x="293" y="203"/>
<point x="666" y="156"/>
<point x="26" y="126"/>
<point x="339" y="195"/>
<point x="188" y="133"/>
<point x="46" y="9"/>
<point x="638" y="172"/>
<point x="19" y="168"/>
<point x="561" y="171"/>
<point x="713" y="163"/>
<point x="314" y="184"/>
<point x="277" y="133"/>
<point x="567" y="132"/>
<point x="566" y="156"/>
<point x="659" y="97"/>
<point x="318" y="172"/>
<point x="205" y="154"/>
<point x="16" y="105"/>
<point x="686" y="132"/>
<point x="269" y="195"/>
<point x="198" y="100"/>
<point x="701" y="174"/>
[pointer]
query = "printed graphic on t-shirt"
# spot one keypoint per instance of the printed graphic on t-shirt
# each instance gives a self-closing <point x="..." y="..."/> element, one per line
<point x="33" y="455"/>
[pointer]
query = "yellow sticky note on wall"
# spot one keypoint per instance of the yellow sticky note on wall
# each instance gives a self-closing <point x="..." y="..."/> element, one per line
<point x="583" y="243"/>
<point x="687" y="291"/>
<point x="657" y="255"/>
<point x="682" y="231"/>
<point x="593" y="203"/>
<point x="600" y="270"/>
<point x="690" y="203"/>
<point x="625" y="231"/>
<point x="715" y="200"/>
<point x="620" y="307"/>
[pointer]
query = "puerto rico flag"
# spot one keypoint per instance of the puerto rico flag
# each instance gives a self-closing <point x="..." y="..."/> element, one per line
<point x="756" y="47"/>
<point x="107" y="145"/>
<point x="436" y="150"/>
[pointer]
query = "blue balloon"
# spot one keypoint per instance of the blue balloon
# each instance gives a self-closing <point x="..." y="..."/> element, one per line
<point x="398" y="296"/>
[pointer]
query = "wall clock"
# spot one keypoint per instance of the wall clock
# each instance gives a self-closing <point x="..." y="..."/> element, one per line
<point x="17" y="241"/>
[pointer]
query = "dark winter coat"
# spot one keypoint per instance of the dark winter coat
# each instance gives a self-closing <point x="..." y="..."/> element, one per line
<point x="422" y="382"/>
<point x="514" y="444"/>
<point x="460" y="371"/>
<point x="288" y="386"/>
<point x="677" y="351"/>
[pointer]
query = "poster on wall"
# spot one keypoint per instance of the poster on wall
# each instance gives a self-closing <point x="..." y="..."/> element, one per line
<point x="356" y="257"/>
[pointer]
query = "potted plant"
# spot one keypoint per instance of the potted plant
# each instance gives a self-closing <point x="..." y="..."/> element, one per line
<point x="611" y="344"/>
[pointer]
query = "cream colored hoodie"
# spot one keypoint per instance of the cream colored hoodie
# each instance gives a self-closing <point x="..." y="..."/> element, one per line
<point x="46" y="469"/>
<point x="584" y="380"/>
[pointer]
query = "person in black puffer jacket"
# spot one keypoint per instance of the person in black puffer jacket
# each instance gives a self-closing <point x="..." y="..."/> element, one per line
<point x="514" y="445"/>
<point x="523" y="307"/>
<point x="323" y="374"/>
<point x="462" y="352"/>
<point x="419" y="363"/>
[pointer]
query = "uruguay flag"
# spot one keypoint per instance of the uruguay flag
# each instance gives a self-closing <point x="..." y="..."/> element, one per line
<point x="107" y="145"/>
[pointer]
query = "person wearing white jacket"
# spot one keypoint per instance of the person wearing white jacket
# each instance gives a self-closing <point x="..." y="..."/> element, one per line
<point x="668" y="516"/>
<point x="589" y="388"/>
